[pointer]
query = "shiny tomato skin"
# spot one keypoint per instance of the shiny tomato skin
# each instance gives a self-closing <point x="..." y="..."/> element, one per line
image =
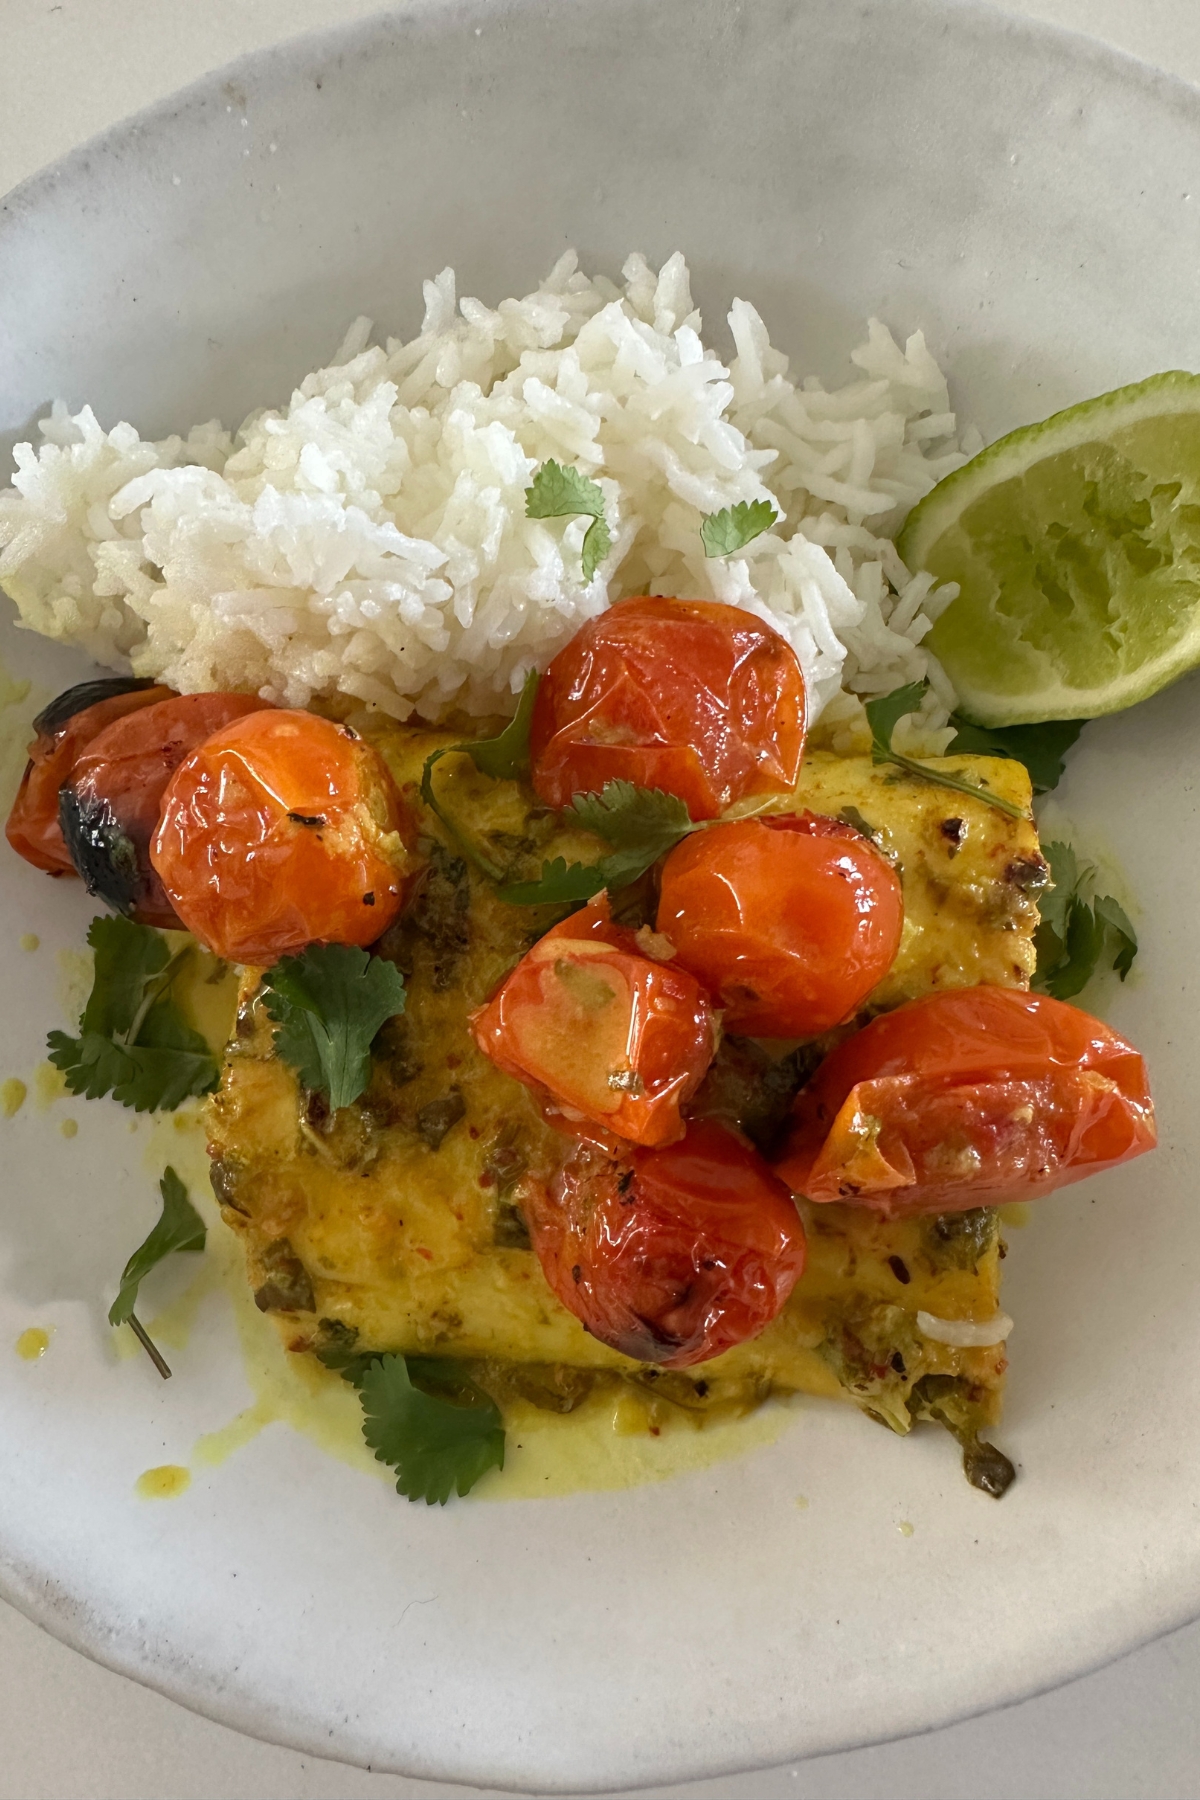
<point x="964" y="1099"/>
<point x="789" y="922"/>
<point x="281" y="830"/>
<point x="114" y="793"/>
<point x="673" y="1255"/>
<point x="702" y="700"/>
<point x="33" y="829"/>
<point x="603" y="1034"/>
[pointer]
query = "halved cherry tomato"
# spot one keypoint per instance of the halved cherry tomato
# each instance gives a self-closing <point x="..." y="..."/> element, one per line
<point x="110" y="802"/>
<point x="789" y="922"/>
<point x="702" y="700"/>
<point x="64" y="730"/>
<point x="283" y="830"/>
<point x="600" y="1031"/>
<point x="968" y="1099"/>
<point x="671" y="1255"/>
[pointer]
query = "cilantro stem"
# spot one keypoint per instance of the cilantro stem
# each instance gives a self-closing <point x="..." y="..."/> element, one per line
<point x="885" y="712"/>
<point x="471" y="851"/>
<point x="956" y="782"/>
<point x="153" y="992"/>
<point x="148" y="1345"/>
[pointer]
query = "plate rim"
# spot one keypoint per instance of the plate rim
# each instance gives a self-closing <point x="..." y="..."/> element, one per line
<point x="36" y="1596"/>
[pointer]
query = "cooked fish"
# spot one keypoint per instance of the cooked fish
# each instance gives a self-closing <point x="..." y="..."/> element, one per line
<point x="396" y="1223"/>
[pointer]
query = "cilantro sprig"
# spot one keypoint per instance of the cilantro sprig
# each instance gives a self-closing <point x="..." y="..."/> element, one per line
<point x="179" y="1227"/>
<point x="1076" y="936"/>
<point x="504" y="757"/>
<point x="1042" y="748"/>
<point x="884" y="714"/>
<point x="133" y="1042"/>
<point x="722" y="533"/>
<point x="328" y="1003"/>
<point x="641" y="824"/>
<point x="426" y="1420"/>
<point x="563" y="493"/>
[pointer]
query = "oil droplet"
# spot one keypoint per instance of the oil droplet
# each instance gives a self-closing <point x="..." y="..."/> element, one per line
<point x="49" y="1085"/>
<point x="1016" y="1215"/>
<point x="69" y="1128"/>
<point x="802" y="1502"/>
<point x="12" y="1096"/>
<point x="162" y="1483"/>
<point x="30" y="940"/>
<point x="32" y="1344"/>
<point x="905" y="1528"/>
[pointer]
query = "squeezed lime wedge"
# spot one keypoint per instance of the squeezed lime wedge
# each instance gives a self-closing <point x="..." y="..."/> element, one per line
<point x="1076" y="544"/>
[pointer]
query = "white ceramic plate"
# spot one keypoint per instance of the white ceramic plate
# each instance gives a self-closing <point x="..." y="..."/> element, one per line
<point x="1034" y="202"/>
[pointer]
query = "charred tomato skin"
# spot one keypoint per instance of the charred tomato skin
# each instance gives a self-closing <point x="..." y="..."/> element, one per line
<point x="282" y="830"/>
<point x="702" y="700"/>
<point x="672" y="1255"/>
<point x="788" y="921"/>
<point x="604" y="1035"/>
<point x="109" y="805"/>
<point x="64" y="730"/>
<point x="964" y="1099"/>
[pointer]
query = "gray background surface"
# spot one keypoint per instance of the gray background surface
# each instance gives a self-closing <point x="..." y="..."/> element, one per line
<point x="68" y="69"/>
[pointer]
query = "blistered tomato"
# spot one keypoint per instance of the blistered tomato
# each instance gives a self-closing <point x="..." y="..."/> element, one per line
<point x="672" y="1255"/>
<point x="968" y="1099"/>
<point x="702" y="700"/>
<point x="64" y="730"/>
<point x="283" y="830"/>
<point x="789" y="922"/>
<point x="602" y="1032"/>
<point x="109" y="804"/>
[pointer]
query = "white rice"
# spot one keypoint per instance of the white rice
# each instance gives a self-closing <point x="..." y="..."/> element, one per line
<point x="370" y="539"/>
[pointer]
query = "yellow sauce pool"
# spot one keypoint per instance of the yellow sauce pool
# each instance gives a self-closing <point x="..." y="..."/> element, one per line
<point x="163" y="1483"/>
<point x="32" y="1344"/>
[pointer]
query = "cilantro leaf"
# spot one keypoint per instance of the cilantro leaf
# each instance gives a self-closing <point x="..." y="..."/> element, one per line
<point x="1116" y="919"/>
<point x="133" y="1043"/>
<point x="504" y="757"/>
<point x="557" y="885"/>
<point x="127" y="958"/>
<point x="1074" y="936"/>
<point x="1040" y="747"/>
<point x="633" y="818"/>
<point x="147" y="1076"/>
<point x="641" y="824"/>
<point x="436" y="1445"/>
<point x="884" y="714"/>
<point x="328" y="1003"/>
<point x="735" y="526"/>
<point x="1056" y="901"/>
<point x="562" y="493"/>
<point x="179" y="1227"/>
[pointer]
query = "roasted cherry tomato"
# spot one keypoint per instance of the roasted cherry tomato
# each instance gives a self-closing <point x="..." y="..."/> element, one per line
<point x="109" y="805"/>
<point x="600" y="1031"/>
<point x="283" y="830"/>
<point x="64" y="730"/>
<point x="968" y="1099"/>
<point x="702" y="700"/>
<point x="671" y="1255"/>
<point x="788" y="922"/>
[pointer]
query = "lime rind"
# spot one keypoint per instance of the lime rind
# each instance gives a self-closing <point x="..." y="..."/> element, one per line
<point x="1117" y="616"/>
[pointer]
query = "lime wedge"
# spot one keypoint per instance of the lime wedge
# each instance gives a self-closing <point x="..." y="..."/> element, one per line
<point x="1076" y="544"/>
